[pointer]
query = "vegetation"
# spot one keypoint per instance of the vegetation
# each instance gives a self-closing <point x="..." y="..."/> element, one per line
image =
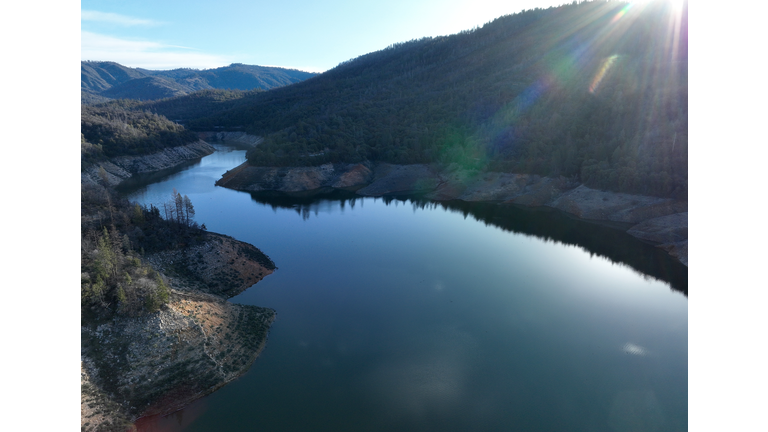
<point x="115" y="235"/>
<point x="595" y="91"/>
<point x="114" y="279"/>
<point x="198" y="105"/>
<point x="111" y="130"/>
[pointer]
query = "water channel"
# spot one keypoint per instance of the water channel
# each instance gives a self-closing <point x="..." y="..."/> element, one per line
<point x="409" y="315"/>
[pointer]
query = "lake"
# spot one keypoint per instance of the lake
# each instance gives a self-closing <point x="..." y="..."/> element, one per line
<point x="409" y="315"/>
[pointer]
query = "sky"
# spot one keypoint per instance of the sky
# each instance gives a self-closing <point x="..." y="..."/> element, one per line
<point x="306" y="35"/>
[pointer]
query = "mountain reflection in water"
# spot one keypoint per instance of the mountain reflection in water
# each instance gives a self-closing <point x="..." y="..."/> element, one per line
<point x="544" y="223"/>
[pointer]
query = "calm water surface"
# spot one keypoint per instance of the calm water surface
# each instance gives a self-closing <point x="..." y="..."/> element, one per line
<point x="413" y="316"/>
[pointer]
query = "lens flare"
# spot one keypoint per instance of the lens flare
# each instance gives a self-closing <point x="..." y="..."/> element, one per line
<point x="621" y="13"/>
<point x="607" y="63"/>
<point x="633" y="349"/>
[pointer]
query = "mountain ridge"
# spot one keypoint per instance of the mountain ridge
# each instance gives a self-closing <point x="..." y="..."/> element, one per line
<point x="106" y="79"/>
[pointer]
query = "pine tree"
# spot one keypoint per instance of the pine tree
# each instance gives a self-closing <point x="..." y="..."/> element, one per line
<point x="178" y="203"/>
<point x="106" y="259"/>
<point x="189" y="211"/>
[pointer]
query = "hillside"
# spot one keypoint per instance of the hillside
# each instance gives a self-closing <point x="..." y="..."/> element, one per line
<point x="114" y="81"/>
<point x="596" y="91"/>
<point x="110" y="130"/>
<point x="157" y="331"/>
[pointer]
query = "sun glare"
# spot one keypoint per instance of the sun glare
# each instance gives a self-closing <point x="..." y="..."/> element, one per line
<point x="677" y="5"/>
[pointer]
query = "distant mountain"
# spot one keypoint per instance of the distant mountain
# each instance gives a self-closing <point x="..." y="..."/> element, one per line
<point x="146" y="88"/>
<point x="111" y="80"/>
<point x="596" y="91"/>
<point x="96" y="77"/>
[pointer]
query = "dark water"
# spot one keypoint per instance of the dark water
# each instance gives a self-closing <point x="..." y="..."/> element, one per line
<point x="397" y="314"/>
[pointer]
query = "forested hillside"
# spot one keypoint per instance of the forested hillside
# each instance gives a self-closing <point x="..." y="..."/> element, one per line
<point x="111" y="130"/>
<point x="594" y="90"/>
<point x="103" y="79"/>
<point x="199" y="105"/>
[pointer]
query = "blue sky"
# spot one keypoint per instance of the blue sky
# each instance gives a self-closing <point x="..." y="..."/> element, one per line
<point x="307" y="35"/>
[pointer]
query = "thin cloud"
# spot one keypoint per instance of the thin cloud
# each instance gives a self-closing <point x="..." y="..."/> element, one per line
<point x="113" y="18"/>
<point x="145" y="54"/>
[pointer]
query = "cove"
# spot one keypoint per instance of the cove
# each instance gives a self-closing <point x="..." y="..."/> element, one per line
<point x="403" y="314"/>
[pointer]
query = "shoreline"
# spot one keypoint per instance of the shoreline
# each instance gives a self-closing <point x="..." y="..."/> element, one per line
<point x="181" y="404"/>
<point x="134" y="368"/>
<point x="122" y="168"/>
<point x="194" y="345"/>
<point x="662" y="222"/>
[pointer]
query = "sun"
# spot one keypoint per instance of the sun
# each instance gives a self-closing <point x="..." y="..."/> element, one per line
<point x="677" y="5"/>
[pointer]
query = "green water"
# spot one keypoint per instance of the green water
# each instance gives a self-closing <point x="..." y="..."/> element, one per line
<point x="399" y="314"/>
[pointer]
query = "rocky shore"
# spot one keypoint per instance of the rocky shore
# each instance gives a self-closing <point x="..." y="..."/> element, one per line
<point x="661" y="221"/>
<point x="121" y="168"/>
<point x="134" y="367"/>
<point x="241" y="139"/>
<point x="160" y="362"/>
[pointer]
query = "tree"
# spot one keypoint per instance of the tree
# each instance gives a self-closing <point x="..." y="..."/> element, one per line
<point x="138" y="215"/>
<point x="189" y="210"/>
<point x="178" y="202"/>
<point x="106" y="256"/>
<point x="179" y="209"/>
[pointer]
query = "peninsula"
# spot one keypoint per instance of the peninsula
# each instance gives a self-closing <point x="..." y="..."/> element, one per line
<point x="157" y="331"/>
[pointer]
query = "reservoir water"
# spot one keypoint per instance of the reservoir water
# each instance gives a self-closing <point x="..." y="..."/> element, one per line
<point x="403" y="314"/>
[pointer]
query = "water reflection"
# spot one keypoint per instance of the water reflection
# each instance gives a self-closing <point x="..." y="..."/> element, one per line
<point x="406" y="317"/>
<point x="140" y="181"/>
<point x="543" y="223"/>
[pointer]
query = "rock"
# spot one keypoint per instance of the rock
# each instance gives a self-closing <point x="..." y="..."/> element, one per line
<point x="494" y="186"/>
<point x="541" y="191"/>
<point x="158" y="363"/>
<point x="353" y="177"/>
<point x="405" y="179"/>
<point x="295" y="179"/>
<point x="593" y="204"/>
<point x="167" y="158"/>
<point x="221" y="266"/>
<point x="114" y="174"/>
<point x="678" y="250"/>
<point x="665" y="229"/>
<point x="124" y="167"/>
<point x="237" y="138"/>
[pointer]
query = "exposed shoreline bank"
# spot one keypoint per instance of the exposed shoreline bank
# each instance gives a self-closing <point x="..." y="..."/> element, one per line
<point x="659" y="221"/>
<point x="158" y="363"/>
<point x="121" y="168"/>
